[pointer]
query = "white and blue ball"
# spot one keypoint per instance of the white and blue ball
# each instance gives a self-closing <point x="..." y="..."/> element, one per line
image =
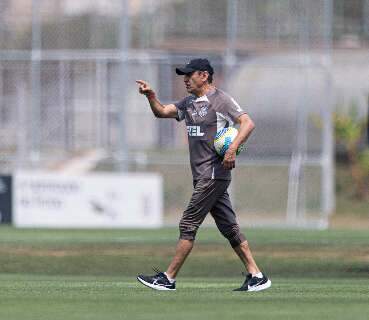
<point x="224" y="139"/>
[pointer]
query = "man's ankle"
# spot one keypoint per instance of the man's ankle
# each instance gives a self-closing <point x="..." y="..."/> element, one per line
<point x="171" y="279"/>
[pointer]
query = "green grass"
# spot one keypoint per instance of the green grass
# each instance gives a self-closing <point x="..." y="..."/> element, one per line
<point x="30" y="297"/>
<point x="90" y="274"/>
<point x="116" y="252"/>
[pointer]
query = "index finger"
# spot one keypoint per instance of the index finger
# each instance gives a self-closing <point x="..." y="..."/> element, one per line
<point x="141" y="82"/>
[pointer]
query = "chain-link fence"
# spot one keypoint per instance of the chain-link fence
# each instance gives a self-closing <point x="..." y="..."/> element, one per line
<point x="67" y="84"/>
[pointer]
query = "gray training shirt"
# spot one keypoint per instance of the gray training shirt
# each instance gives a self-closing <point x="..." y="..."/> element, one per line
<point x="205" y="116"/>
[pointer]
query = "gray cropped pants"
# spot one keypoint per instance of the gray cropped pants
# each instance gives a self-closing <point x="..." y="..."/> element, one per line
<point x="210" y="195"/>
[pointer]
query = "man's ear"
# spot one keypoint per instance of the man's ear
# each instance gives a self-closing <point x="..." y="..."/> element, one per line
<point x="206" y="74"/>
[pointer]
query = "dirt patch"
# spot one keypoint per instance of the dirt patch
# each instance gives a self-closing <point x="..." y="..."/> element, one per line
<point x="200" y="251"/>
<point x="352" y="222"/>
<point x="290" y="252"/>
<point x="83" y="251"/>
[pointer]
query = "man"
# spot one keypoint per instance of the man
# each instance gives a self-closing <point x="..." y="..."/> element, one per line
<point x="206" y="110"/>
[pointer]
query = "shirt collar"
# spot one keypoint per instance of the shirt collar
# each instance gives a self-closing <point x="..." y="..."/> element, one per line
<point x="204" y="98"/>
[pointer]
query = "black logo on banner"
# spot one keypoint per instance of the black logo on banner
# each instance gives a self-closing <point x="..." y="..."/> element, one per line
<point x="5" y="199"/>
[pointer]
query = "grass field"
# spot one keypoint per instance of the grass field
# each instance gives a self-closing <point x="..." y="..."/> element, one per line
<point x="90" y="274"/>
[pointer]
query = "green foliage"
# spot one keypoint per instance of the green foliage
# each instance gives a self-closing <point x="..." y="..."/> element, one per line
<point x="349" y="131"/>
<point x="364" y="160"/>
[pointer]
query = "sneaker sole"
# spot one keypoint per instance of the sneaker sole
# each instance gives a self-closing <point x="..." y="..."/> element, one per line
<point x="261" y="287"/>
<point x="153" y="286"/>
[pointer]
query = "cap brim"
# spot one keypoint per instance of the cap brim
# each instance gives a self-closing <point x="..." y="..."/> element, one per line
<point x="183" y="71"/>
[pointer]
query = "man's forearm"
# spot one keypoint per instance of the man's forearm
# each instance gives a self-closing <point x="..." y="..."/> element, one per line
<point x="244" y="133"/>
<point x="156" y="107"/>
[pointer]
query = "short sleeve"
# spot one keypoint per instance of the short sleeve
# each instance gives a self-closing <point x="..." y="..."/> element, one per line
<point x="181" y="108"/>
<point x="232" y="109"/>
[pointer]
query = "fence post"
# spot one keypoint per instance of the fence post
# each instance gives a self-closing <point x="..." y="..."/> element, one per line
<point x="230" y="58"/>
<point x="125" y="41"/>
<point x="36" y="82"/>
<point x="328" y="182"/>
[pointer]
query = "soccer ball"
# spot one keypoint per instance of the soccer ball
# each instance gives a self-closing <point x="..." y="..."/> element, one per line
<point x="223" y="140"/>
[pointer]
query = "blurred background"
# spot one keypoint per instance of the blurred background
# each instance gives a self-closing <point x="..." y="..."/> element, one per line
<point x="69" y="103"/>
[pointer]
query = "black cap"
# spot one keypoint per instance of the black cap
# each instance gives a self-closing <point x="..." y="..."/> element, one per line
<point x="195" y="65"/>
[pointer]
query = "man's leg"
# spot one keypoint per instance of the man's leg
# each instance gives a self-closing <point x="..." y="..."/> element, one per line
<point x="244" y="253"/>
<point x="205" y="194"/>
<point x="225" y="218"/>
<point x="183" y="249"/>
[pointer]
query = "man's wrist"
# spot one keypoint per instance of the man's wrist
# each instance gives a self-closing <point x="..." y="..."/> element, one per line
<point x="232" y="148"/>
<point x="151" y="95"/>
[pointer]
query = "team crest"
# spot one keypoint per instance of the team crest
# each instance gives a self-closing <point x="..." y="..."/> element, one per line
<point x="203" y="111"/>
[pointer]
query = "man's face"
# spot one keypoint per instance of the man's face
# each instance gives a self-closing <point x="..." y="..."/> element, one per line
<point x="195" y="81"/>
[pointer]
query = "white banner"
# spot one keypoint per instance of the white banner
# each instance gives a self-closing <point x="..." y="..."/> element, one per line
<point x="87" y="201"/>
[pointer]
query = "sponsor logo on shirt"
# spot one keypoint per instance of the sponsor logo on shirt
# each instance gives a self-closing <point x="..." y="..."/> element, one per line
<point x="194" y="131"/>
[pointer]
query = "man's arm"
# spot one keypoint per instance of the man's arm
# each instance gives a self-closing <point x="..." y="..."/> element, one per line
<point x="158" y="109"/>
<point x="244" y="132"/>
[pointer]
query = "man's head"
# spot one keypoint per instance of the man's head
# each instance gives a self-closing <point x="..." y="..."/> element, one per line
<point x="198" y="73"/>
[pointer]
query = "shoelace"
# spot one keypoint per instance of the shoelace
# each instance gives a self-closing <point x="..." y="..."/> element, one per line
<point x="157" y="270"/>
<point x="247" y="275"/>
<point x="159" y="273"/>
